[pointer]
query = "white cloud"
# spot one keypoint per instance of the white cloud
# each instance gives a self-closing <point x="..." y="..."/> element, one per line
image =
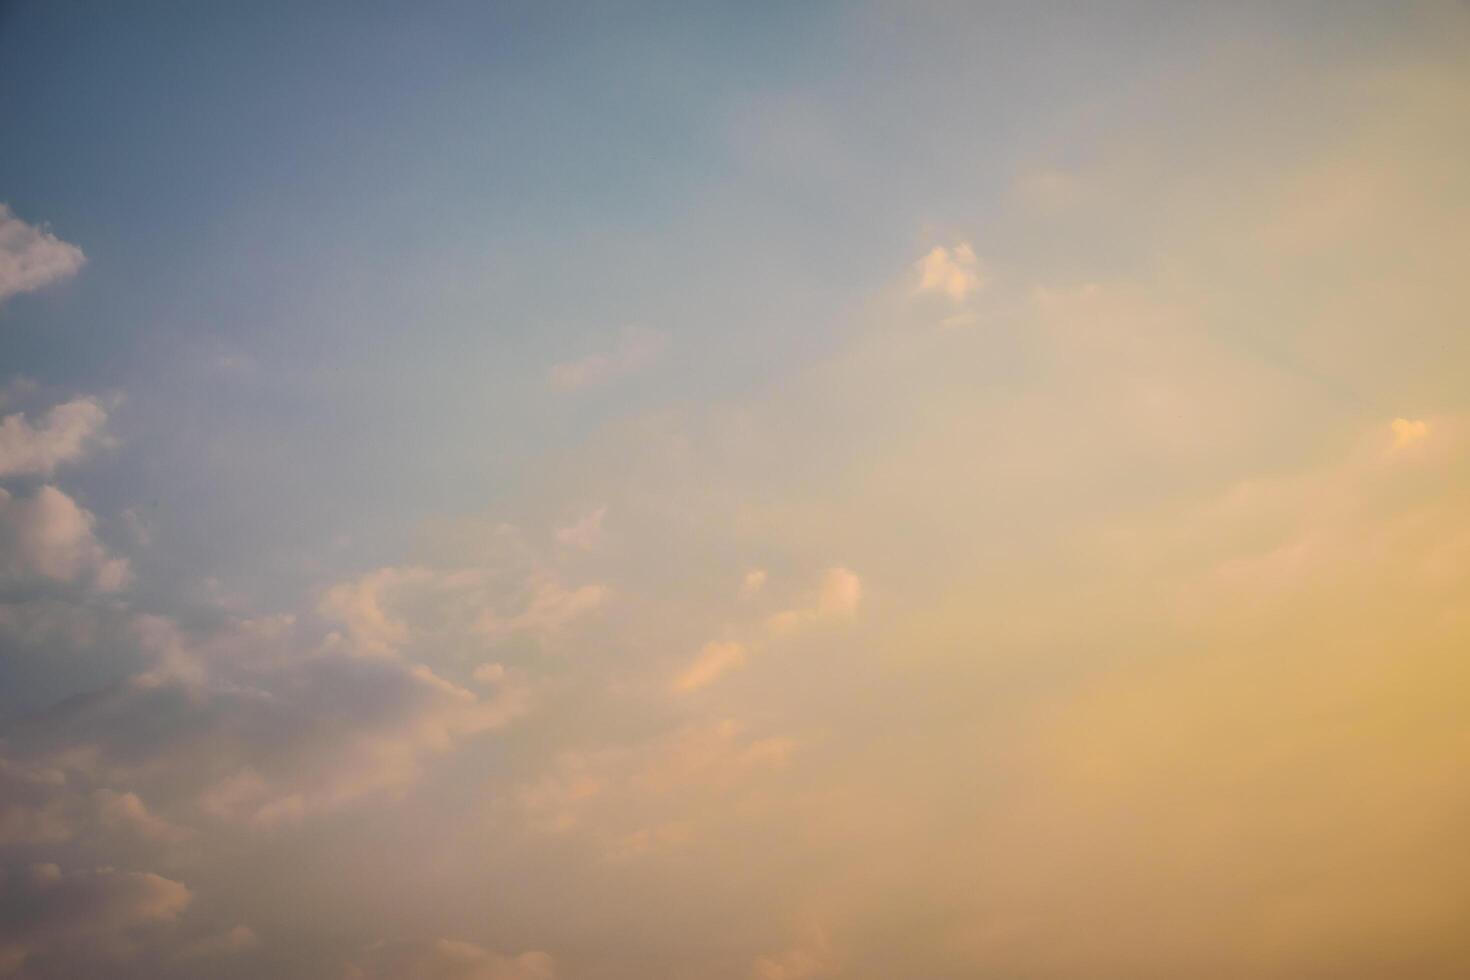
<point x="32" y="257"/>
<point x="714" y="659"/>
<point x="63" y="435"/>
<point x="48" y="536"/>
<point x="637" y="348"/>
<point x="955" y="273"/>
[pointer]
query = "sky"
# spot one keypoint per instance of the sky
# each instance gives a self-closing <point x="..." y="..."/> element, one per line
<point x="714" y="491"/>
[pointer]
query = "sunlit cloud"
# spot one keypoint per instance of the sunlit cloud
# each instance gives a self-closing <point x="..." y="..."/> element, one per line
<point x="389" y="619"/>
<point x="713" y="660"/>
<point x="955" y="272"/>
<point x="1407" y="432"/>
<point x="63" y="435"/>
<point x="32" y="257"/>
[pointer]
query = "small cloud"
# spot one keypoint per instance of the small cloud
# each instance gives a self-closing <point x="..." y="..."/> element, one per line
<point x="838" y="597"/>
<point x="842" y="590"/>
<point x="32" y="257"/>
<point x="714" y="660"/>
<point x="489" y="674"/>
<point x="637" y="348"/>
<point x="64" y="434"/>
<point x="48" y="536"/>
<point x="585" y="533"/>
<point x="753" y="582"/>
<point x="1408" y="432"/>
<point x="955" y="273"/>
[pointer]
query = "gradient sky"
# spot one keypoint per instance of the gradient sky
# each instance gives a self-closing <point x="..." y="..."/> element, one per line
<point x="762" y="491"/>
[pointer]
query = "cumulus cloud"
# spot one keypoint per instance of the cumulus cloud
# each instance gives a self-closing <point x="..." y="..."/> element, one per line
<point x="838" y="597"/>
<point x="953" y="272"/>
<point x="47" y="913"/>
<point x="714" y="659"/>
<point x="448" y="959"/>
<point x="62" y="435"/>
<point x="637" y="348"/>
<point x="48" y="536"/>
<point x="32" y="257"/>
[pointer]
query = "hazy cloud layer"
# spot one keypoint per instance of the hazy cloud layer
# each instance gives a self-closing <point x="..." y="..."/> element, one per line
<point x="1047" y="556"/>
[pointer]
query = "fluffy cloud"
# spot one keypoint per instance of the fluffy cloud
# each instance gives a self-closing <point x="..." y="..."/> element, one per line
<point x="1407" y="432"/>
<point x="48" y="536"/>
<point x="32" y="257"/>
<point x="63" y="435"/>
<point x="47" y="915"/>
<point x="838" y="597"/>
<point x="247" y="729"/>
<point x="952" y="272"/>
<point x="637" y="348"/>
<point x="448" y="959"/>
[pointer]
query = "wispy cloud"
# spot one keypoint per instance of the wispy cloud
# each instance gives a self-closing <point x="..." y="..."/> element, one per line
<point x="637" y="348"/>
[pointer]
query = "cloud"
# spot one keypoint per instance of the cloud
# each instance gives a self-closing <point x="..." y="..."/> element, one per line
<point x="955" y="273"/>
<point x="1407" y="432"/>
<point x="47" y="536"/>
<point x="838" y="597"/>
<point x="585" y="533"/>
<point x="753" y="582"/>
<point x="448" y="959"/>
<point x="63" y="435"/>
<point x="45" y="912"/>
<point x="397" y="607"/>
<point x="32" y="257"/>
<point x="231" y="942"/>
<point x="815" y="958"/>
<point x="630" y="799"/>
<point x="637" y="348"/>
<point x="713" y="660"/>
<point x="247" y="729"/>
<point x="841" y="592"/>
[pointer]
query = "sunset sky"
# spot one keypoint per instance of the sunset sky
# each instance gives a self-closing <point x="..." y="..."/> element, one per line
<point x="734" y="491"/>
